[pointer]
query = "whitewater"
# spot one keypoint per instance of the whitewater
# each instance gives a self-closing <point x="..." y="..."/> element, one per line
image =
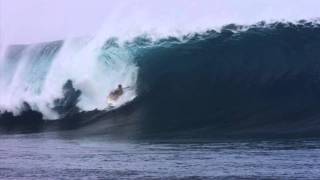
<point x="34" y="75"/>
<point x="216" y="89"/>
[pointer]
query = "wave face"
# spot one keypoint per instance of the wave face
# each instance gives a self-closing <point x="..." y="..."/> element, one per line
<point x="262" y="79"/>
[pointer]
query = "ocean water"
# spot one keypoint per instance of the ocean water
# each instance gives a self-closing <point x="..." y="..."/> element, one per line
<point x="241" y="102"/>
<point x="60" y="156"/>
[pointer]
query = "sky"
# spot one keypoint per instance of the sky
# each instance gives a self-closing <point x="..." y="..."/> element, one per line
<point x="30" y="21"/>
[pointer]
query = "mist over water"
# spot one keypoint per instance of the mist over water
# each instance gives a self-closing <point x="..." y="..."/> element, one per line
<point x="213" y="89"/>
<point x="152" y="49"/>
<point x="56" y="20"/>
<point x="35" y="74"/>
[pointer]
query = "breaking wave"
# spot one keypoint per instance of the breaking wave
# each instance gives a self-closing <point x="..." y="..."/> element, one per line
<point x="35" y="74"/>
<point x="260" y="79"/>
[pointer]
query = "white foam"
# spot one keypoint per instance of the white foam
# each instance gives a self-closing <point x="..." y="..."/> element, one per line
<point x="81" y="61"/>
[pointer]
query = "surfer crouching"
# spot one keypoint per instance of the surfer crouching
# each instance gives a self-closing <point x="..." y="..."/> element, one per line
<point x="114" y="95"/>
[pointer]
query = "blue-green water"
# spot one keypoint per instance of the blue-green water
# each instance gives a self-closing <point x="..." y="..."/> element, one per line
<point x="260" y="82"/>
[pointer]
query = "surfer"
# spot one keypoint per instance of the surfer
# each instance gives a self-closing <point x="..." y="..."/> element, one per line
<point x="114" y="95"/>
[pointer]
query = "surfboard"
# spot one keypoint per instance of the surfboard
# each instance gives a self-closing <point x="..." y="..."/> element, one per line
<point x="114" y="101"/>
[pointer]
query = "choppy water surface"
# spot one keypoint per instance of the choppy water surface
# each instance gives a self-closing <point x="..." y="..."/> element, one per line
<point x="50" y="156"/>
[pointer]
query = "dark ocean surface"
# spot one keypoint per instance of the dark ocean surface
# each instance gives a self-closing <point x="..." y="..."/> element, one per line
<point x="61" y="156"/>
<point x="241" y="103"/>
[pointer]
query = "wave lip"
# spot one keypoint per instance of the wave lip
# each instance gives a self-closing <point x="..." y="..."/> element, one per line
<point x="258" y="82"/>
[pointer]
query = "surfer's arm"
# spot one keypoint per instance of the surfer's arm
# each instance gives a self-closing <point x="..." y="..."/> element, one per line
<point x="128" y="87"/>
